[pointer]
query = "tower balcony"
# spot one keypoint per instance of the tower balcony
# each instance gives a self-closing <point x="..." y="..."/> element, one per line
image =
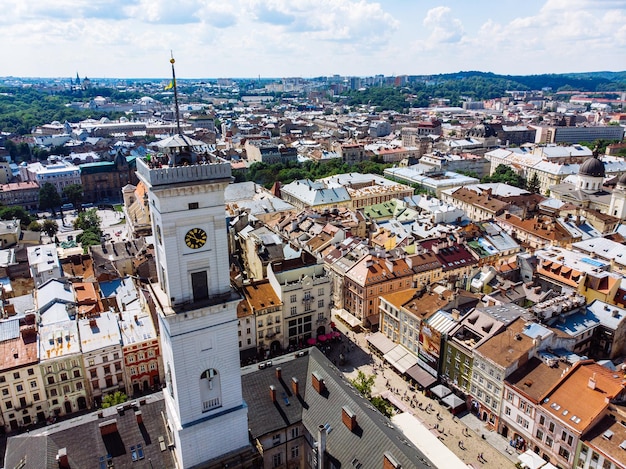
<point x="167" y="175"/>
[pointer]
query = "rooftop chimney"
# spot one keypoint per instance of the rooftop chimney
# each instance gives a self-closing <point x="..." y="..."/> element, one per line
<point x="279" y="373"/>
<point x="295" y="386"/>
<point x="348" y="418"/>
<point x="389" y="462"/>
<point x="108" y="427"/>
<point x="273" y="393"/>
<point x="592" y="382"/>
<point x="321" y="446"/>
<point x="317" y="382"/>
<point x="62" y="459"/>
<point x="139" y="417"/>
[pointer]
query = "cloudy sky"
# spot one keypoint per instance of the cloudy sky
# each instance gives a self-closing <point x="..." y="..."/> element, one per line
<point x="308" y="38"/>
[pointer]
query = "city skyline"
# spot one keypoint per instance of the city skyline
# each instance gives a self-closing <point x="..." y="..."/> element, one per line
<point x="276" y="38"/>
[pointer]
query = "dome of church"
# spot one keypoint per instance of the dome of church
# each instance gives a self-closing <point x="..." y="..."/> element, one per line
<point x="592" y="167"/>
<point x="622" y="180"/>
<point x="482" y="131"/>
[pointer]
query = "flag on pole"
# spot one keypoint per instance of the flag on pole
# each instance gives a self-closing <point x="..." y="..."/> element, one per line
<point x="170" y="86"/>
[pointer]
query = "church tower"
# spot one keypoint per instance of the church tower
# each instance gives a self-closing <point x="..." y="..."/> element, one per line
<point x="197" y="310"/>
<point x="618" y="199"/>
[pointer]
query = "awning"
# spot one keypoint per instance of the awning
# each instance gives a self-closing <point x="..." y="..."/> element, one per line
<point x="421" y="376"/>
<point x="531" y="460"/>
<point x="400" y="358"/>
<point x="440" y="391"/>
<point x="352" y="321"/>
<point x="452" y="401"/>
<point x="380" y="342"/>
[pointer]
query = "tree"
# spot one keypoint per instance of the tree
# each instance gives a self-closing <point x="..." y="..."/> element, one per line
<point x="363" y="384"/>
<point x="74" y="194"/>
<point x="383" y="405"/>
<point x="88" y="220"/>
<point x="111" y="400"/>
<point x="16" y="212"/>
<point x="34" y="226"/>
<point x="50" y="227"/>
<point x="507" y="175"/>
<point x="49" y="198"/>
<point x="534" y="184"/>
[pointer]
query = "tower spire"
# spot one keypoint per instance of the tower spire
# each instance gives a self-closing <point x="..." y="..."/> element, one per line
<point x="172" y="61"/>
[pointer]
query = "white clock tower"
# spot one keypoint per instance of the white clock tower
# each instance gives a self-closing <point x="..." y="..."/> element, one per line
<point x="197" y="310"/>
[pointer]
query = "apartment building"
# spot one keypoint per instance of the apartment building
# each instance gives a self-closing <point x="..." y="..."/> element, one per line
<point x="22" y="391"/>
<point x="263" y="325"/>
<point x="44" y="263"/>
<point x="369" y="278"/>
<point x="140" y="344"/>
<point x="477" y="205"/>
<point x="58" y="173"/>
<point x="101" y="344"/>
<point x="61" y="363"/>
<point x="304" y="289"/>
<point x="24" y="194"/>
<point x="470" y="333"/>
<point x="524" y="390"/>
<point x="561" y="421"/>
<point x="495" y="360"/>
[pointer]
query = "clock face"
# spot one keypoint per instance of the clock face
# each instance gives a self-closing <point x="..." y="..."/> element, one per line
<point x="195" y="238"/>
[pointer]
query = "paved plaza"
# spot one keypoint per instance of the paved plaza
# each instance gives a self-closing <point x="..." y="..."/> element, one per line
<point x="466" y="436"/>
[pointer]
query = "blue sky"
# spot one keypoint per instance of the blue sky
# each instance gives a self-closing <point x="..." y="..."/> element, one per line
<point x="307" y="38"/>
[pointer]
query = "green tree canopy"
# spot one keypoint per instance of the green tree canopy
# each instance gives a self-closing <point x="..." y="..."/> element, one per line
<point x="534" y="184"/>
<point x="34" y="226"/>
<point x="50" y="227"/>
<point x="383" y="405"/>
<point x="89" y="222"/>
<point x="505" y="174"/>
<point x="111" y="400"/>
<point x="363" y="383"/>
<point x="16" y="212"/>
<point x="74" y="194"/>
<point x="49" y="198"/>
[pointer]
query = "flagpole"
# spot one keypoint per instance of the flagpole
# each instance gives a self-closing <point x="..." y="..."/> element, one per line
<point x="175" y="96"/>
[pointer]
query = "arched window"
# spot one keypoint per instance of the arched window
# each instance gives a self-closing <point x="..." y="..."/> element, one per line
<point x="210" y="390"/>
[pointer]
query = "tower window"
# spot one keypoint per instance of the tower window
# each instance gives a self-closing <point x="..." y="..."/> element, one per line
<point x="210" y="390"/>
<point x="193" y="206"/>
<point x="199" y="285"/>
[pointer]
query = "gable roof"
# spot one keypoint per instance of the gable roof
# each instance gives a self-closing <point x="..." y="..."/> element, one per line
<point x="325" y="409"/>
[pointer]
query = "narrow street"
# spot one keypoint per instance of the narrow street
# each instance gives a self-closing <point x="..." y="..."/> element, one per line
<point x="466" y="436"/>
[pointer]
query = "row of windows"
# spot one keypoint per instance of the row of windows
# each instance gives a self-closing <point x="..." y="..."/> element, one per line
<point x="67" y="389"/>
<point x="107" y="369"/>
<point x="60" y="366"/>
<point x="307" y="295"/>
<point x="16" y="375"/>
<point x="105" y="359"/>
<point x="140" y="356"/>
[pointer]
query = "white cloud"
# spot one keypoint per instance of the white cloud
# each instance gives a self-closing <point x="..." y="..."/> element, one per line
<point x="363" y="22"/>
<point x="308" y="37"/>
<point x="443" y="26"/>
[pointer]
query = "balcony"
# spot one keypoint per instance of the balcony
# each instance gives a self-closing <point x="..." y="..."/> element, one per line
<point x="211" y="404"/>
<point x="22" y="407"/>
<point x="308" y="298"/>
